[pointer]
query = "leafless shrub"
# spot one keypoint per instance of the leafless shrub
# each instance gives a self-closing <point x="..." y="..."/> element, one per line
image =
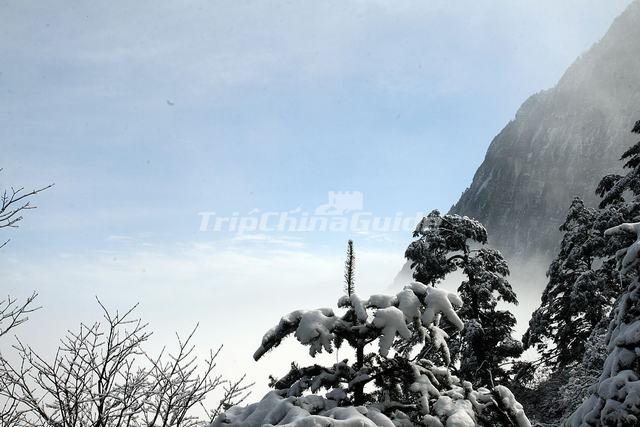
<point x="13" y="314"/>
<point x="102" y="377"/>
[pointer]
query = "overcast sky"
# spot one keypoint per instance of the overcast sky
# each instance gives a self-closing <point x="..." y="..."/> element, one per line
<point x="146" y="113"/>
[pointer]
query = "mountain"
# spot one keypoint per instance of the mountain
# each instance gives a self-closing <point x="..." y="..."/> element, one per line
<point x="559" y="145"/>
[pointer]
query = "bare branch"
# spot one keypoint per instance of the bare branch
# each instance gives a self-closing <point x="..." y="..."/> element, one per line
<point x="15" y="201"/>
<point x="13" y="314"/>
<point x="102" y="377"/>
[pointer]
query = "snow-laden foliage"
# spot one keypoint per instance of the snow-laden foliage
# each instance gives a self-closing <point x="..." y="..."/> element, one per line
<point x="438" y="237"/>
<point x="615" y="398"/>
<point x="380" y="317"/>
<point x="612" y="188"/>
<point x="583" y="284"/>
<point x="581" y="289"/>
<point x="389" y="383"/>
<point x="307" y="411"/>
<point x="580" y="376"/>
<point x="448" y="243"/>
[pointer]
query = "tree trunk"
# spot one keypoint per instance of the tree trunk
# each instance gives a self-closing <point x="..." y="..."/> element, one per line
<point x="358" y="392"/>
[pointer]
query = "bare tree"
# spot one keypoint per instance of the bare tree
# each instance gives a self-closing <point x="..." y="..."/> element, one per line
<point x="13" y="314"/>
<point x="176" y="387"/>
<point x="235" y="392"/>
<point x="13" y="202"/>
<point x="102" y="377"/>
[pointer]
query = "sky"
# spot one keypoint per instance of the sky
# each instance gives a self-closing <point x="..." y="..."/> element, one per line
<point x="148" y="114"/>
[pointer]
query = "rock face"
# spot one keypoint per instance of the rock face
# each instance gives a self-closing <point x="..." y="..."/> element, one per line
<point x="561" y="142"/>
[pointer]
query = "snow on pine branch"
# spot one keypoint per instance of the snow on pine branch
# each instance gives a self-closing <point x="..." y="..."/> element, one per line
<point x="402" y="390"/>
<point x="381" y="316"/>
<point x="628" y="257"/>
<point x="615" y="398"/>
<point x="313" y="327"/>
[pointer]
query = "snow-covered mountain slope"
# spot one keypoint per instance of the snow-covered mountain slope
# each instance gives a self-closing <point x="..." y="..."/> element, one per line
<point x="561" y="142"/>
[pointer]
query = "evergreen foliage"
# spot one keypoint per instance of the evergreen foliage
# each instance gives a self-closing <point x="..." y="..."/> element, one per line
<point x="581" y="289"/>
<point x="349" y="270"/>
<point x="451" y="243"/>
<point x="391" y="385"/>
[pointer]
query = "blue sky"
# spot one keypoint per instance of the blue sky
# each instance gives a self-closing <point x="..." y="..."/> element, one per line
<point x="146" y="113"/>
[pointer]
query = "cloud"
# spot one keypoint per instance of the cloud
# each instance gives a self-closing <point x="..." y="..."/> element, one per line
<point x="235" y="290"/>
<point x="203" y="48"/>
<point x="289" y="241"/>
<point x="119" y="239"/>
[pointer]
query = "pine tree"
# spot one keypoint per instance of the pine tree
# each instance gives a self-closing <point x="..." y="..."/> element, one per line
<point x="620" y="200"/>
<point x="390" y="385"/>
<point x="487" y="338"/>
<point x="583" y="285"/>
<point x="615" y="399"/>
<point x="583" y="280"/>
<point x="444" y="245"/>
<point x="612" y="188"/>
<point x="441" y="242"/>
<point x="358" y="343"/>
<point x="579" y="294"/>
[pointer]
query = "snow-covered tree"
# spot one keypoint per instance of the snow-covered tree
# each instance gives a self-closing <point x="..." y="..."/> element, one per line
<point x="101" y="375"/>
<point x="615" y="399"/>
<point x="448" y="243"/>
<point x="579" y="377"/>
<point x="388" y="384"/>
<point x="613" y="188"/>
<point x="620" y="199"/>
<point x="583" y="284"/>
<point x="441" y="244"/>
<point x="583" y="278"/>
<point x="580" y="292"/>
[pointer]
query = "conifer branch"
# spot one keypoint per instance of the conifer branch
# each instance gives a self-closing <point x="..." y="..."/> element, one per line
<point x="349" y="270"/>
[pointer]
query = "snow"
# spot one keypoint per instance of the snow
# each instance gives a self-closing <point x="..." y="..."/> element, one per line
<point x="514" y="407"/>
<point x="276" y="410"/>
<point x="359" y="307"/>
<point x="442" y="399"/>
<point x="439" y="341"/>
<point x="382" y="301"/>
<point x="362" y="378"/>
<point x="440" y="301"/>
<point x="409" y="304"/>
<point x="311" y="327"/>
<point x="391" y="321"/>
<point x="450" y="408"/>
<point x="459" y="413"/>
<point x="615" y="399"/>
<point x="315" y="330"/>
<point x="630" y="255"/>
<point x="420" y="289"/>
<point x="423" y="384"/>
<point x="431" y="421"/>
<point x="336" y="394"/>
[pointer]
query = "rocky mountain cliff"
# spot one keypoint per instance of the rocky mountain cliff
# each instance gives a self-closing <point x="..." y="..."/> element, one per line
<point x="561" y="142"/>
